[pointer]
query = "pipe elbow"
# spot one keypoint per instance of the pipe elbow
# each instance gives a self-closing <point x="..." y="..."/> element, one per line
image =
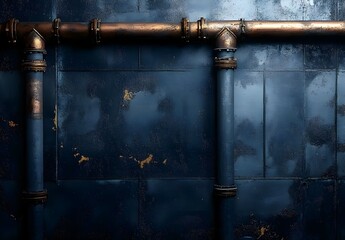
<point x="34" y="42"/>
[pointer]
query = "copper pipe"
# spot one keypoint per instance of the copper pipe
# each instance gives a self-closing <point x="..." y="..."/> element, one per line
<point x="201" y="29"/>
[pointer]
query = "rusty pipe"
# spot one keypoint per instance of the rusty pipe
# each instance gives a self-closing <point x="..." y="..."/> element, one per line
<point x="201" y="29"/>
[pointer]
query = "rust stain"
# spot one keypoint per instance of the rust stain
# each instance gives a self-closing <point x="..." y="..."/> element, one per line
<point x="127" y="95"/>
<point x="147" y="160"/>
<point x="262" y="232"/>
<point x="12" y="124"/>
<point x="83" y="159"/>
<point x="165" y="161"/>
<point x="55" y="118"/>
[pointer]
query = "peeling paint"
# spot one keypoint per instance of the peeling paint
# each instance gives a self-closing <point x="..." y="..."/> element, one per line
<point x="165" y="161"/>
<point x="81" y="158"/>
<point x="55" y="118"/>
<point x="262" y="232"/>
<point x="147" y="160"/>
<point x="127" y="95"/>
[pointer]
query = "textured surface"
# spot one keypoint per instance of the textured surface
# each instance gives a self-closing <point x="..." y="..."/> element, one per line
<point x="129" y="128"/>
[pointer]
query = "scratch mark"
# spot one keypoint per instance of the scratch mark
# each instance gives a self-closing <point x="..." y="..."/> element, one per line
<point x="55" y="118"/>
<point x="148" y="160"/>
<point x="83" y="159"/>
<point x="165" y="161"/>
<point x="127" y="95"/>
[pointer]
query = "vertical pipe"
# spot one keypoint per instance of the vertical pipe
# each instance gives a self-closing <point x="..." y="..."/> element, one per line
<point x="224" y="188"/>
<point x="34" y="193"/>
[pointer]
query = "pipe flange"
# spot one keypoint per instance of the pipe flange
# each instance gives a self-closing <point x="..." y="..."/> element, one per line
<point x="34" y="65"/>
<point x="225" y="63"/>
<point x="185" y="29"/>
<point x="225" y="191"/>
<point x="39" y="197"/>
<point x="11" y="30"/>
<point x="201" y="28"/>
<point x="95" y="29"/>
<point x="56" y="29"/>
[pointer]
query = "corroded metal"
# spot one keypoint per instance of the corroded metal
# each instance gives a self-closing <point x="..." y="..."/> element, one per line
<point x="34" y="98"/>
<point x="39" y="197"/>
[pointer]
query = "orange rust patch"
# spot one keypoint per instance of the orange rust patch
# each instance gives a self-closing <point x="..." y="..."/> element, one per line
<point x="83" y="159"/>
<point x="147" y="160"/>
<point x="55" y="118"/>
<point x="127" y="95"/>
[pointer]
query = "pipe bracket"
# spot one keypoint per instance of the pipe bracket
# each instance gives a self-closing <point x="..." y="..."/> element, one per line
<point x="242" y="27"/>
<point x="95" y="29"/>
<point x="39" y="197"/>
<point x="225" y="63"/>
<point x="56" y="29"/>
<point x="201" y="28"/>
<point x="11" y="30"/>
<point x="225" y="191"/>
<point x="185" y="29"/>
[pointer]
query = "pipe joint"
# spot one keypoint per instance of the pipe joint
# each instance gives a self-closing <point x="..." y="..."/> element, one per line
<point x="225" y="191"/>
<point x="34" y="65"/>
<point x="35" y="198"/>
<point x="34" y="43"/>
<point x="95" y="30"/>
<point x="185" y="29"/>
<point x="11" y="30"/>
<point x="226" y="40"/>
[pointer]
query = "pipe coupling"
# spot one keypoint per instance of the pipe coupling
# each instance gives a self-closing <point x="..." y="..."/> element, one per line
<point x="225" y="191"/>
<point x="34" y="65"/>
<point x="226" y="40"/>
<point x="56" y="29"/>
<point x="201" y="28"/>
<point x="11" y="30"/>
<point x="95" y="30"/>
<point x="225" y="63"/>
<point x="185" y="29"/>
<point x="39" y="197"/>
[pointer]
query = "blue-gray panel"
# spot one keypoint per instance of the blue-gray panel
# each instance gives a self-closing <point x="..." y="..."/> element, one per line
<point x="320" y="56"/>
<point x="10" y="214"/>
<point x="284" y="57"/>
<point x="183" y="56"/>
<point x="121" y="124"/>
<point x="269" y="209"/>
<point x="178" y="209"/>
<point x="251" y="56"/>
<point x="284" y="121"/>
<point x="319" y="210"/>
<point x="282" y="10"/>
<point x="341" y="124"/>
<point x="248" y="110"/>
<point x="11" y="125"/>
<point x="73" y="58"/>
<point x="341" y="209"/>
<point x="320" y="120"/>
<point x="25" y="10"/>
<point x="92" y="210"/>
<point x="81" y="10"/>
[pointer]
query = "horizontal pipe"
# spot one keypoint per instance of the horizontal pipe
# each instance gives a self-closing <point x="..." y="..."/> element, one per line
<point x="78" y="31"/>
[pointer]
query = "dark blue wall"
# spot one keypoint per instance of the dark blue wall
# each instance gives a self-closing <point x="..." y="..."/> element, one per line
<point x="119" y="105"/>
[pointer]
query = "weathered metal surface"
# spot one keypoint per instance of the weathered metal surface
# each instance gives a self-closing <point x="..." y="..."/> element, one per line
<point x="275" y="206"/>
